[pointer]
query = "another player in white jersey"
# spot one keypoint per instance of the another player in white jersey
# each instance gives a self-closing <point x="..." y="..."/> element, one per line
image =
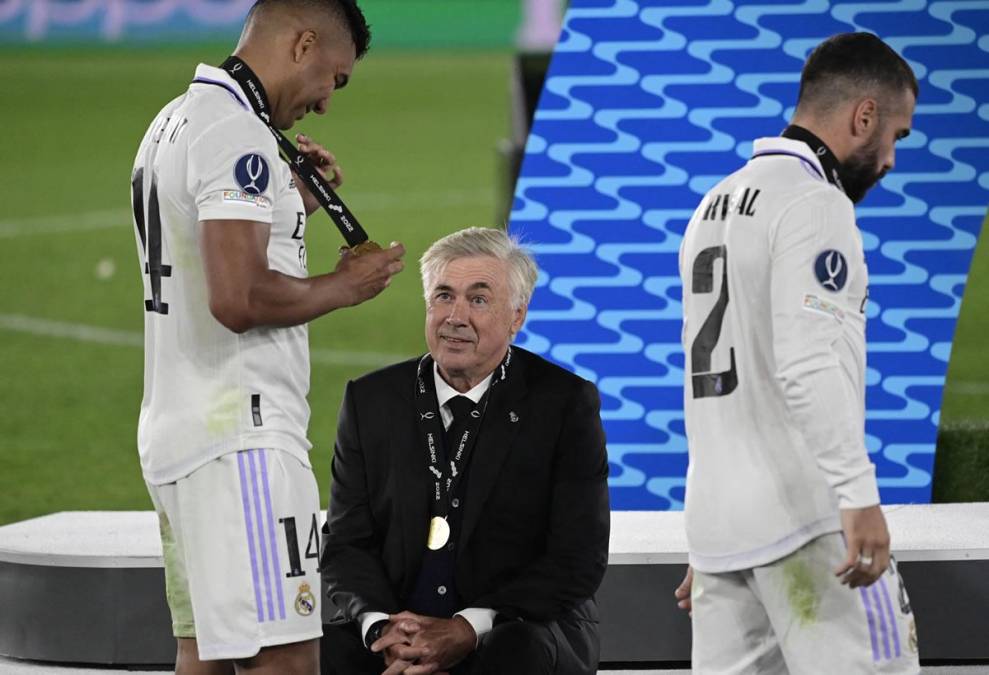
<point x="222" y="434"/>
<point x="788" y="545"/>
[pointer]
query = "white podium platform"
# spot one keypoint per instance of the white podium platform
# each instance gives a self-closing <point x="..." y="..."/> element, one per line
<point x="130" y="538"/>
<point x="918" y="532"/>
<point x="87" y="587"/>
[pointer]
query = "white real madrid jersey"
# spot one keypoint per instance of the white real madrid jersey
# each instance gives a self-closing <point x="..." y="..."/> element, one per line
<point x="209" y="391"/>
<point x="774" y="292"/>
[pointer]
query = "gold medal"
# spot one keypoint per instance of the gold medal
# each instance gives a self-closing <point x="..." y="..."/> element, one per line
<point x="365" y="247"/>
<point x="439" y="533"/>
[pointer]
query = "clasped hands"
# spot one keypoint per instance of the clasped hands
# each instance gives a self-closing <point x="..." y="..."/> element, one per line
<point x="419" y="645"/>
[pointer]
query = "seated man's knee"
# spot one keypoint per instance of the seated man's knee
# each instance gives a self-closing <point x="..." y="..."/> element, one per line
<point x="517" y="647"/>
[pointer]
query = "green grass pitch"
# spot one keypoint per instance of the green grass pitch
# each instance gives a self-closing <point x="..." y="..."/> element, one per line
<point x="416" y="134"/>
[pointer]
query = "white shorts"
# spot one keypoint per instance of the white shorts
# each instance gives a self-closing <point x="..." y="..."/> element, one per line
<point x="240" y="538"/>
<point x="794" y="616"/>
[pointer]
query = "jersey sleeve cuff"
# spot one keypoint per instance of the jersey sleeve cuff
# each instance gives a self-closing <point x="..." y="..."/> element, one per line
<point x="860" y="491"/>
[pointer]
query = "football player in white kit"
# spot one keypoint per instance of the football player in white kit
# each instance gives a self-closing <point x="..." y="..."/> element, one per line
<point x="787" y="543"/>
<point x="222" y="432"/>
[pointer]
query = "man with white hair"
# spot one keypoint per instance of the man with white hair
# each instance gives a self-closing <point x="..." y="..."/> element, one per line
<point x="468" y="523"/>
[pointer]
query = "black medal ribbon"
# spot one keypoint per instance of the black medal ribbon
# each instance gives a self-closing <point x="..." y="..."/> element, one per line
<point x="830" y="163"/>
<point x="446" y="465"/>
<point x="301" y="165"/>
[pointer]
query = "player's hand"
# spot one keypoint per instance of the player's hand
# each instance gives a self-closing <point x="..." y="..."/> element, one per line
<point x="325" y="163"/>
<point x="446" y="642"/>
<point x="682" y="592"/>
<point x="364" y="276"/>
<point x="867" y="540"/>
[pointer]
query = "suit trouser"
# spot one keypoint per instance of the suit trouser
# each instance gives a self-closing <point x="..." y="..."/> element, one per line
<point x="569" y="646"/>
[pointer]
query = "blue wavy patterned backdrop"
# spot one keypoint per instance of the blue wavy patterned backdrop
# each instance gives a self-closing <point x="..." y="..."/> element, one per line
<point x="647" y="104"/>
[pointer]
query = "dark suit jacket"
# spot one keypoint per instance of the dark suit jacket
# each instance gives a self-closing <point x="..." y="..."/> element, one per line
<point x="534" y="537"/>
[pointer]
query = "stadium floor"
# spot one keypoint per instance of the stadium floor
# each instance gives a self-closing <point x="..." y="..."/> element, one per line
<point x="12" y="667"/>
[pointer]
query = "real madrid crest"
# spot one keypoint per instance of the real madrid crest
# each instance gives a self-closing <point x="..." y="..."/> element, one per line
<point x="305" y="601"/>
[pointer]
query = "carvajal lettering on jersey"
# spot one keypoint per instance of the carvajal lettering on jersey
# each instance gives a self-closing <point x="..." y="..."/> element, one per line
<point x="741" y="203"/>
<point x="831" y="270"/>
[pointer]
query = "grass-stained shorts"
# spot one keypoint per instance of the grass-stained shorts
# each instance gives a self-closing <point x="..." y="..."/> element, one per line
<point x="794" y="616"/>
<point x="240" y="538"/>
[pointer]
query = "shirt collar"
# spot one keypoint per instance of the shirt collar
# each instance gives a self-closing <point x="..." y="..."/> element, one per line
<point x="444" y="392"/>
<point x="207" y="74"/>
<point x="777" y="145"/>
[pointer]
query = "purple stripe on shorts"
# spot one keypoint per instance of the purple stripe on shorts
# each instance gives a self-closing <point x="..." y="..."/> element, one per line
<point x="272" y="540"/>
<point x="872" y="623"/>
<point x="264" y="550"/>
<point x="892" y="619"/>
<point x="882" y="619"/>
<point x="250" y="534"/>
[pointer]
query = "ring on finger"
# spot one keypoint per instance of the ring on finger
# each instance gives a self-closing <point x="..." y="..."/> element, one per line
<point x="865" y="560"/>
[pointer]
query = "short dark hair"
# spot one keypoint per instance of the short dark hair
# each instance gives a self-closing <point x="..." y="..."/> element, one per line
<point x="852" y="64"/>
<point x="345" y="10"/>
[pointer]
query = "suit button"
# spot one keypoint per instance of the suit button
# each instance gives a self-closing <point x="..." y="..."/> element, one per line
<point x="455" y="503"/>
<point x="449" y="546"/>
<point x="441" y="590"/>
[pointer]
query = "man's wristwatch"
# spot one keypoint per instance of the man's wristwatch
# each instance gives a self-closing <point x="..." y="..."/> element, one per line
<point x="374" y="632"/>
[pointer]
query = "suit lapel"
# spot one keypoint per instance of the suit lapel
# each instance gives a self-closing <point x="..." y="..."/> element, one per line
<point x="498" y="431"/>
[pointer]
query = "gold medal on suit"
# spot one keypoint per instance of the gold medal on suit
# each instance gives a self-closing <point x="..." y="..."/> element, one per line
<point x="439" y="533"/>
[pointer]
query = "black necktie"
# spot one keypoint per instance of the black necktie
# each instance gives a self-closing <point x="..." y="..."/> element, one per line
<point x="460" y="406"/>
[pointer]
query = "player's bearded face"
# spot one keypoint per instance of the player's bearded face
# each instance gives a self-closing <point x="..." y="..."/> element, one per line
<point x="864" y="168"/>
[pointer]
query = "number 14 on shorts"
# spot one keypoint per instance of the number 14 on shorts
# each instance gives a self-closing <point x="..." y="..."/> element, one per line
<point x="292" y="545"/>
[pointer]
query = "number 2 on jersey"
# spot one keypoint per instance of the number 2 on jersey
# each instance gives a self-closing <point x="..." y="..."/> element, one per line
<point x="703" y="382"/>
<point x="150" y="233"/>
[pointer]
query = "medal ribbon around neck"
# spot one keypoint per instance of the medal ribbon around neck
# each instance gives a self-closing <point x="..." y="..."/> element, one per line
<point x="355" y="235"/>
<point x="830" y="163"/>
<point x="445" y="471"/>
